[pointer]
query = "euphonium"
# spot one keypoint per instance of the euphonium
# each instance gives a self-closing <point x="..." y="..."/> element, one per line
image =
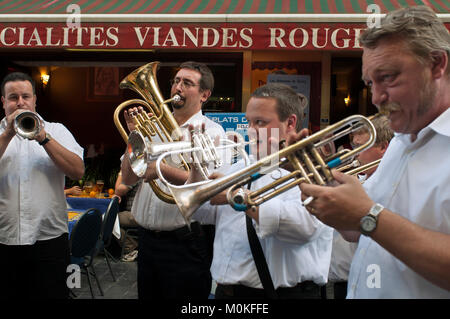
<point x="161" y="123"/>
<point x="307" y="166"/>
<point x="28" y="124"/>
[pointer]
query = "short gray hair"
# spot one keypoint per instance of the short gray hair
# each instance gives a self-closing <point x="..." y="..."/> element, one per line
<point x="418" y="27"/>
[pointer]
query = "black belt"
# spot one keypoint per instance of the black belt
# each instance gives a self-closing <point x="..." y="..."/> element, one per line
<point x="244" y="291"/>
<point x="181" y="233"/>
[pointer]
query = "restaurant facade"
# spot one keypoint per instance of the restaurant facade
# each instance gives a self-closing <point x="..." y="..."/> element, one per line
<point x="79" y="51"/>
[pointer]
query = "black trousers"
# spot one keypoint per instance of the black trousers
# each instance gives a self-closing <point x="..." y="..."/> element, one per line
<point x="35" y="271"/>
<point x="304" y="290"/>
<point x="173" y="264"/>
<point x="340" y="290"/>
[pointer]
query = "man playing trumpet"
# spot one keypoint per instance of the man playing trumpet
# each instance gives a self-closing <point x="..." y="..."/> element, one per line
<point x="33" y="219"/>
<point x="403" y="210"/>
<point x="295" y="244"/>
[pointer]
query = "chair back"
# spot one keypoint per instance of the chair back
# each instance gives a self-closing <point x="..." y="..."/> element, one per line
<point x="85" y="233"/>
<point x="109" y="219"/>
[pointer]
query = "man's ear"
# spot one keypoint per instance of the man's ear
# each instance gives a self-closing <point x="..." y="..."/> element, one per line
<point x="383" y="147"/>
<point x="205" y="96"/>
<point x="439" y="62"/>
<point x="292" y="122"/>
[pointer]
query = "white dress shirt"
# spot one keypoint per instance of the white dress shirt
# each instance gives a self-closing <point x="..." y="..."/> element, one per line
<point x="412" y="180"/>
<point x="152" y="213"/>
<point x="32" y="201"/>
<point x="341" y="258"/>
<point x="297" y="246"/>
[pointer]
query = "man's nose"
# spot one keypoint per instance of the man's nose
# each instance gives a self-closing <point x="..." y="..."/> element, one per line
<point x="20" y="101"/>
<point x="379" y="94"/>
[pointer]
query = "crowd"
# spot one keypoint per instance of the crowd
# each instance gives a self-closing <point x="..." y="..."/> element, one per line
<point x="372" y="237"/>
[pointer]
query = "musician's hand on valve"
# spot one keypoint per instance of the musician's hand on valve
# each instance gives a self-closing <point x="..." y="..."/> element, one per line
<point x="40" y="136"/>
<point x="341" y="206"/>
<point x="10" y="122"/>
<point x="130" y="113"/>
<point x="292" y="138"/>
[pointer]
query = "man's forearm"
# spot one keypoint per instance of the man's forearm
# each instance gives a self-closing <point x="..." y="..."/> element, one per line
<point x="70" y="163"/>
<point x="424" y="251"/>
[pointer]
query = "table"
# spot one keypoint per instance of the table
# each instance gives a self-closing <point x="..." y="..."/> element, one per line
<point x="78" y="205"/>
<point x="73" y="215"/>
<point x="89" y="202"/>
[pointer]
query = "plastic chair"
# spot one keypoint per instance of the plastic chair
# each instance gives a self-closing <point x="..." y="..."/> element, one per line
<point x="106" y="231"/>
<point x="82" y="243"/>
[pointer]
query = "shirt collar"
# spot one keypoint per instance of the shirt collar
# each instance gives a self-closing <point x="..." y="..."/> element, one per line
<point x="440" y="125"/>
<point x="195" y="119"/>
<point x="3" y="123"/>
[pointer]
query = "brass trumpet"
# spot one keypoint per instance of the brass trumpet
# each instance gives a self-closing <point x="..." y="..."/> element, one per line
<point x="309" y="167"/>
<point x="28" y="124"/>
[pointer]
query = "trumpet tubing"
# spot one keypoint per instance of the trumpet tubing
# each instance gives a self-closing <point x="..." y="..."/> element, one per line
<point x="307" y="166"/>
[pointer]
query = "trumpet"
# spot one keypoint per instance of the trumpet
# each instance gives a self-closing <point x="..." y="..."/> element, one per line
<point x="28" y="124"/>
<point x="308" y="167"/>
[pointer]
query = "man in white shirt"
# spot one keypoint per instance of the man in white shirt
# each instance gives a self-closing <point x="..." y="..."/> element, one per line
<point x="403" y="211"/>
<point x="173" y="262"/>
<point x="296" y="246"/>
<point x="33" y="219"/>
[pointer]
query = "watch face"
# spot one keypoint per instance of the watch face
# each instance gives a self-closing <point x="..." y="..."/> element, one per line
<point x="368" y="223"/>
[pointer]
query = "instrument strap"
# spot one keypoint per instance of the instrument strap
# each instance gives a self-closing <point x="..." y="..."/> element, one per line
<point x="259" y="258"/>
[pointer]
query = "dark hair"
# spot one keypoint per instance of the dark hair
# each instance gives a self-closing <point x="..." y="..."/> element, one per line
<point x="207" y="78"/>
<point x="17" y="76"/>
<point x="288" y="101"/>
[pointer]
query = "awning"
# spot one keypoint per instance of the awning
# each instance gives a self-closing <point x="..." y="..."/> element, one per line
<point x="195" y="24"/>
<point x="214" y="7"/>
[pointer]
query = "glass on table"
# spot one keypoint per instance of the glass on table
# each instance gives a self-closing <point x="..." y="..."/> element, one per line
<point x="100" y="185"/>
<point x="87" y="188"/>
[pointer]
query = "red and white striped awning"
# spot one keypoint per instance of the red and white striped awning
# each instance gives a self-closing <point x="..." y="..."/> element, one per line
<point x="194" y="24"/>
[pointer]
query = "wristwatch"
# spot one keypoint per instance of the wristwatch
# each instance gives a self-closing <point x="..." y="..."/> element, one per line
<point x="369" y="222"/>
<point x="45" y="140"/>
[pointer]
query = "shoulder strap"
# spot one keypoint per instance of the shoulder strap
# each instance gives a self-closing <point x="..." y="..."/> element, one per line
<point x="260" y="260"/>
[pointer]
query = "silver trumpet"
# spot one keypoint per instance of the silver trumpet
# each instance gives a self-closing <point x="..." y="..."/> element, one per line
<point x="28" y="124"/>
<point x="307" y="165"/>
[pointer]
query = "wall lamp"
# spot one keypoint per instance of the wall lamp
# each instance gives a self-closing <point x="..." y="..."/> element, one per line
<point x="45" y="78"/>
<point x="347" y="100"/>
